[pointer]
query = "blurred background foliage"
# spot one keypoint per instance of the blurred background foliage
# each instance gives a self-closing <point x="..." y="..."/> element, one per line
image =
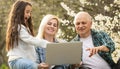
<point x="105" y="13"/>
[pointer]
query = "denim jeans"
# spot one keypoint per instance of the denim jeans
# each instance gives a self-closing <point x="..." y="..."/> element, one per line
<point x="84" y="68"/>
<point x="60" y="67"/>
<point x="22" y="63"/>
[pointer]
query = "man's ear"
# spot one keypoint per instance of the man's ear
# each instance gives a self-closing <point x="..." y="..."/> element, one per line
<point x="91" y="22"/>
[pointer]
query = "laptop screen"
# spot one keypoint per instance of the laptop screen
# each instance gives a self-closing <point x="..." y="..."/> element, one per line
<point x="63" y="53"/>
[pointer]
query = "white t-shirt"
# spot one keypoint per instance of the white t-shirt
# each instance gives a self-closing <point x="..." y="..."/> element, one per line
<point x="95" y="61"/>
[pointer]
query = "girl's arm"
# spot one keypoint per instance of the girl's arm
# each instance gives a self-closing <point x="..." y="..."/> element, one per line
<point x="26" y="37"/>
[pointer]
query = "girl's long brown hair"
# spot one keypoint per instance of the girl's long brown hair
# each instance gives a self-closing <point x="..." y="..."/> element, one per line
<point x="16" y="17"/>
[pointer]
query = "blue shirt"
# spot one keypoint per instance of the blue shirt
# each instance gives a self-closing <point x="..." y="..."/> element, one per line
<point x="41" y="53"/>
<point x="41" y="57"/>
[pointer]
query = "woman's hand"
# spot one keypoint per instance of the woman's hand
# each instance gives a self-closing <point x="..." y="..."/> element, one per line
<point x="43" y="66"/>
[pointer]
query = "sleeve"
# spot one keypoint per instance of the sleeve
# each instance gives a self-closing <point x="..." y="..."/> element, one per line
<point x="26" y="37"/>
<point x="108" y="42"/>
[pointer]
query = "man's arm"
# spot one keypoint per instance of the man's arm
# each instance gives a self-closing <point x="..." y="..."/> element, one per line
<point x="107" y="44"/>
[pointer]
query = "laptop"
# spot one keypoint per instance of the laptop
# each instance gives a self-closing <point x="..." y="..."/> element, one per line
<point x="63" y="53"/>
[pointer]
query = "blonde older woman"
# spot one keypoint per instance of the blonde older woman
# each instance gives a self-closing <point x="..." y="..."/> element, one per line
<point x="48" y="30"/>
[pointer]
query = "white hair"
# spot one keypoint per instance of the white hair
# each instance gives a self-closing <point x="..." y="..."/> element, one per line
<point x="79" y="14"/>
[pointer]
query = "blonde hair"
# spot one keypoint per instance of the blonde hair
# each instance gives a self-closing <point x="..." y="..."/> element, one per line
<point x="44" y="21"/>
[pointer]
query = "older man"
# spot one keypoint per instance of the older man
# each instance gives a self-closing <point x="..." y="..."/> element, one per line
<point x="97" y="45"/>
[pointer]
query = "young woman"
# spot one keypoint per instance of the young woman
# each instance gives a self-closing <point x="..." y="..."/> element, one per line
<point x="48" y="30"/>
<point x="19" y="38"/>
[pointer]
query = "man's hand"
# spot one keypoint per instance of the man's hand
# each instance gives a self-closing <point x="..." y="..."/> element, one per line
<point x="74" y="66"/>
<point x="95" y="50"/>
